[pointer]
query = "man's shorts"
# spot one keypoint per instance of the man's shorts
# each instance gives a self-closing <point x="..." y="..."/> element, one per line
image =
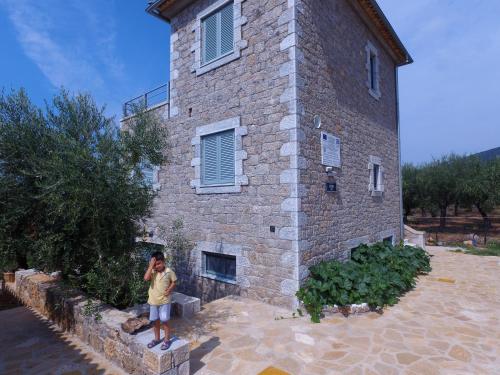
<point x="161" y="312"/>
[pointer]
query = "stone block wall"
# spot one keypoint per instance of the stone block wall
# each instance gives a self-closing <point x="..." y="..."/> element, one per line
<point x="333" y="84"/>
<point x="253" y="89"/>
<point x="66" y="308"/>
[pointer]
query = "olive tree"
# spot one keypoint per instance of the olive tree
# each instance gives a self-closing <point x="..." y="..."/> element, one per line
<point x="71" y="189"/>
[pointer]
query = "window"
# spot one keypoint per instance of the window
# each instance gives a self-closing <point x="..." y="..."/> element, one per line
<point x="373" y="78"/>
<point x="220" y="266"/>
<point x="373" y="70"/>
<point x="388" y="240"/>
<point x="376" y="171"/>
<point x="150" y="174"/>
<point x="376" y="185"/>
<point x="217" y="158"/>
<point x="217" y="34"/>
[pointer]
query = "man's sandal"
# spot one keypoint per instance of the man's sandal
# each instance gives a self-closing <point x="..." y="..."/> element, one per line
<point x="165" y="345"/>
<point x="153" y="343"/>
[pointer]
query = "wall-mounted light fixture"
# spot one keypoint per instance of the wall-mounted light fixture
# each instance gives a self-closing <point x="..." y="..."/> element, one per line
<point x="317" y="121"/>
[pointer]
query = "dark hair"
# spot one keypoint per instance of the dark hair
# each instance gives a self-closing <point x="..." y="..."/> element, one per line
<point x="158" y="255"/>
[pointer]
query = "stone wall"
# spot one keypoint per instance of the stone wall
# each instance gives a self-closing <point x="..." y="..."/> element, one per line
<point x="333" y="84"/>
<point x="66" y="308"/>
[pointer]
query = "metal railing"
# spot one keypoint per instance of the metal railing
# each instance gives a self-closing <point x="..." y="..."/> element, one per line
<point x="158" y="95"/>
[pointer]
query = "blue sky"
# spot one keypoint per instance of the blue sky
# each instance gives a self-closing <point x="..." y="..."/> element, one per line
<point x="449" y="97"/>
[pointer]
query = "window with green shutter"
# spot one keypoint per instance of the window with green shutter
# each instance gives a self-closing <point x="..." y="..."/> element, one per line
<point x="218" y="34"/>
<point x="217" y="158"/>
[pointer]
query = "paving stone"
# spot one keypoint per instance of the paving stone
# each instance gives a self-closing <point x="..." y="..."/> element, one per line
<point x="458" y="352"/>
<point x="273" y="371"/>
<point x="407" y="358"/>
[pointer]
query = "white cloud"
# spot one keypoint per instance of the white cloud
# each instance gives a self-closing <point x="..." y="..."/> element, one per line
<point x="77" y="55"/>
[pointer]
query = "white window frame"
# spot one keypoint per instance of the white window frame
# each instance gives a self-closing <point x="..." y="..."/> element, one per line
<point x="199" y="67"/>
<point x="239" y="155"/>
<point x="372" y="52"/>
<point x="379" y="189"/>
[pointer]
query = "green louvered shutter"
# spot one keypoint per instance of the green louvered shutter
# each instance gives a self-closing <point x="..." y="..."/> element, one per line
<point x="218" y="34"/>
<point x="227" y="29"/>
<point x="226" y="141"/>
<point x="210" y="50"/>
<point x="209" y="160"/>
<point x="217" y="154"/>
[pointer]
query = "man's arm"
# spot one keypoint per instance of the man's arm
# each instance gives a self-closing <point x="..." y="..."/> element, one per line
<point x="149" y="271"/>
<point x="170" y="288"/>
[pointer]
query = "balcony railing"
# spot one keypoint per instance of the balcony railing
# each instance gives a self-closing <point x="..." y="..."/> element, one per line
<point x="158" y="95"/>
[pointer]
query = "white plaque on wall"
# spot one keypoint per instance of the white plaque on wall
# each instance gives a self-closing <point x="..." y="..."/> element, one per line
<point x="330" y="150"/>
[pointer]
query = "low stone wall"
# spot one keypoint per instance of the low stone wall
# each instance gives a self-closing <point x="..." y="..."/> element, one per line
<point x="414" y="237"/>
<point x="66" y="308"/>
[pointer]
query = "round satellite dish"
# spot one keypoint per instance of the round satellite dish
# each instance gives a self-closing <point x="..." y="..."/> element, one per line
<point x="317" y="121"/>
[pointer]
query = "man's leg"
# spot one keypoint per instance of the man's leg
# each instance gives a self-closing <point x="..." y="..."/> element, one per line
<point x="166" y="328"/>
<point x="154" y="317"/>
<point x="157" y="330"/>
<point x="165" y="317"/>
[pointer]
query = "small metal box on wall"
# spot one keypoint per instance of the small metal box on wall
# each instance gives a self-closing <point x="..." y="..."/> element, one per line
<point x="331" y="187"/>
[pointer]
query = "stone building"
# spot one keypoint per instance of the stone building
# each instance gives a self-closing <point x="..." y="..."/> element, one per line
<point x="284" y="136"/>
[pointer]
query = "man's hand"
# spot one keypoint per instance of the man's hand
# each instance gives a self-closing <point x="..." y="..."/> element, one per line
<point x="170" y="289"/>
<point x="152" y="263"/>
<point x="149" y="271"/>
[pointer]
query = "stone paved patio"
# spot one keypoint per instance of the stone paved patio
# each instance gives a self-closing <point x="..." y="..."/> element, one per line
<point x="31" y="345"/>
<point x="448" y="325"/>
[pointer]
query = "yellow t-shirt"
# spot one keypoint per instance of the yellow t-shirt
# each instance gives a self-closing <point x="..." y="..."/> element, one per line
<point x="159" y="283"/>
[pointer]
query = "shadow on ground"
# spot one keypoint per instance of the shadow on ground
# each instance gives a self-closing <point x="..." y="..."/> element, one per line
<point x="30" y="344"/>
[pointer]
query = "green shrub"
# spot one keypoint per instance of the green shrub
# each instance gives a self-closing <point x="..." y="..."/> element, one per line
<point x="377" y="275"/>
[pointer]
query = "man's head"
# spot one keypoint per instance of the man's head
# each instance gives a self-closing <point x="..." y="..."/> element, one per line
<point x="160" y="261"/>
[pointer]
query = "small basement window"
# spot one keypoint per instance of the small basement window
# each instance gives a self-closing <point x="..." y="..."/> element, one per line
<point x="388" y="240"/>
<point x="219" y="266"/>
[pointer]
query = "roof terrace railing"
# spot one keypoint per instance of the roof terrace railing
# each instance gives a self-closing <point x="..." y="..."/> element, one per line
<point x="158" y="95"/>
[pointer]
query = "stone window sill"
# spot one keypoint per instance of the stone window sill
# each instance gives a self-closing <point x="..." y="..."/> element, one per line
<point x="223" y="189"/>
<point x="375" y="94"/>
<point x="377" y="193"/>
<point x="218" y="278"/>
<point x="218" y="63"/>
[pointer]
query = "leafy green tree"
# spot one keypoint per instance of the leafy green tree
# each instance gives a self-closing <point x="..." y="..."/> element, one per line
<point x="439" y="185"/>
<point x="410" y="189"/>
<point x="480" y="186"/>
<point x="72" y="192"/>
